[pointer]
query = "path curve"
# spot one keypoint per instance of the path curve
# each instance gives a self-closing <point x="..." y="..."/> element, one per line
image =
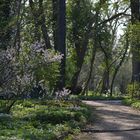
<point x="115" y="122"/>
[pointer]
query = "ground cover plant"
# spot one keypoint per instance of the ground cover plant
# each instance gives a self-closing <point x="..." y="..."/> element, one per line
<point x="43" y="120"/>
<point x="135" y="103"/>
<point x="98" y="96"/>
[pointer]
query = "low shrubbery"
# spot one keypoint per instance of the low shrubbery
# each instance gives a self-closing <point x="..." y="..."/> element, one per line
<point x="132" y="102"/>
<point x="98" y="97"/>
<point x="43" y="120"/>
<point x="133" y="90"/>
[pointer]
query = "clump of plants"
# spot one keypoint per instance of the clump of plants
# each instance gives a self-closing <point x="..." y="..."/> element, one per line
<point x="133" y="90"/>
<point x="39" y="120"/>
<point x="30" y="73"/>
<point x="135" y="103"/>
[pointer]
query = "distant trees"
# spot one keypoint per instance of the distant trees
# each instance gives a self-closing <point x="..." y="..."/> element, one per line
<point x="106" y="23"/>
<point x="83" y="31"/>
<point x="80" y="23"/>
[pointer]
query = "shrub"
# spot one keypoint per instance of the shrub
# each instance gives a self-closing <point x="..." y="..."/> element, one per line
<point x="127" y="102"/>
<point x="132" y="102"/>
<point x="136" y="105"/>
<point x="133" y="90"/>
<point x="5" y="117"/>
<point x="37" y="120"/>
<point x="54" y="117"/>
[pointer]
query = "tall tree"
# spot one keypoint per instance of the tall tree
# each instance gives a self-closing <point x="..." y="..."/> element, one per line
<point x="5" y="19"/>
<point x="135" y="19"/>
<point x="59" y="35"/>
<point x="80" y="12"/>
<point x="54" y="22"/>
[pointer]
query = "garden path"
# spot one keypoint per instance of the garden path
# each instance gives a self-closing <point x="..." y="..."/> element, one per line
<point x="114" y="122"/>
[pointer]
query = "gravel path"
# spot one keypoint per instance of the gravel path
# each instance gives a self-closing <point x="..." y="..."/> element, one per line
<point x="115" y="122"/>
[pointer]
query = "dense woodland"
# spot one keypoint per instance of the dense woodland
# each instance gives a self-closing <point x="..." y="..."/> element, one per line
<point x="56" y="52"/>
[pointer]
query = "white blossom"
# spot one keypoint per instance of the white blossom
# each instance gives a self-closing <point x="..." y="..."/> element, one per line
<point x="37" y="47"/>
<point x="62" y="94"/>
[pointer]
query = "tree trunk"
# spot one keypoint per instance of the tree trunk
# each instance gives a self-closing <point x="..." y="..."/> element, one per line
<point x="95" y="45"/>
<point x="135" y="18"/>
<point x="17" y="39"/>
<point x="61" y="39"/>
<point x="106" y="74"/>
<point x="54" y="24"/>
<point x="91" y="69"/>
<point x="105" y="84"/>
<point x="80" y="55"/>
<point x="119" y="65"/>
<point x="5" y="19"/>
<point x="81" y="48"/>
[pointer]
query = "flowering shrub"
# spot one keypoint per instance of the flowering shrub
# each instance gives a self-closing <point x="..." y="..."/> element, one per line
<point x="62" y="94"/>
<point x="49" y="56"/>
<point x="46" y="65"/>
<point x="31" y="66"/>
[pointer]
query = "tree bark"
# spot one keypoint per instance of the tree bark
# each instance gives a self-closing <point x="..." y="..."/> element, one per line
<point x="80" y="54"/>
<point x="135" y="18"/>
<point x="119" y="65"/>
<point x="6" y="31"/>
<point x="61" y="39"/>
<point x="54" y="24"/>
<point x="105" y="81"/>
<point x="95" y="45"/>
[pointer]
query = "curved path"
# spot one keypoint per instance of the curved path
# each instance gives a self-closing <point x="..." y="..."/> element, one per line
<point x="115" y="122"/>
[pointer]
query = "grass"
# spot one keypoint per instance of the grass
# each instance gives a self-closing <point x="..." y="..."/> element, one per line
<point x="98" y="97"/>
<point x="135" y="103"/>
<point x="43" y="120"/>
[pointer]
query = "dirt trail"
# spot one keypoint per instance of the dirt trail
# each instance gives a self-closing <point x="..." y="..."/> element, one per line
<point x="115" y="122"/>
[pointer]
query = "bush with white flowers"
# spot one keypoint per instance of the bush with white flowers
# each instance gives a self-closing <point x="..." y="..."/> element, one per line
<point x="19" y="72"/>
<point x="62" y="94"/>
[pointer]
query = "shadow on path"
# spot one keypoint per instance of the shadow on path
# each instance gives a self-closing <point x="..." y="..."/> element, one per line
<point x="115" y="122"/>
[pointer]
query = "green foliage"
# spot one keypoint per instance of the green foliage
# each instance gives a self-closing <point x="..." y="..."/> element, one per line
<point x="42" y="120"/>
<point x="99" y="97"/>
<point x="132" y="102"/>
<point x="135" y="40"/>
<point x="78" y="13"/>
<point x="46" y="71"/>
<point x="128" y="101"/>
<point x="5" y="118"/>
<point x="4" y="105"/>
<point x="134" y="33"/>
<point x="71" y="62"/>
<point x="133" y="90"/>
<point x="136" y="105"/>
